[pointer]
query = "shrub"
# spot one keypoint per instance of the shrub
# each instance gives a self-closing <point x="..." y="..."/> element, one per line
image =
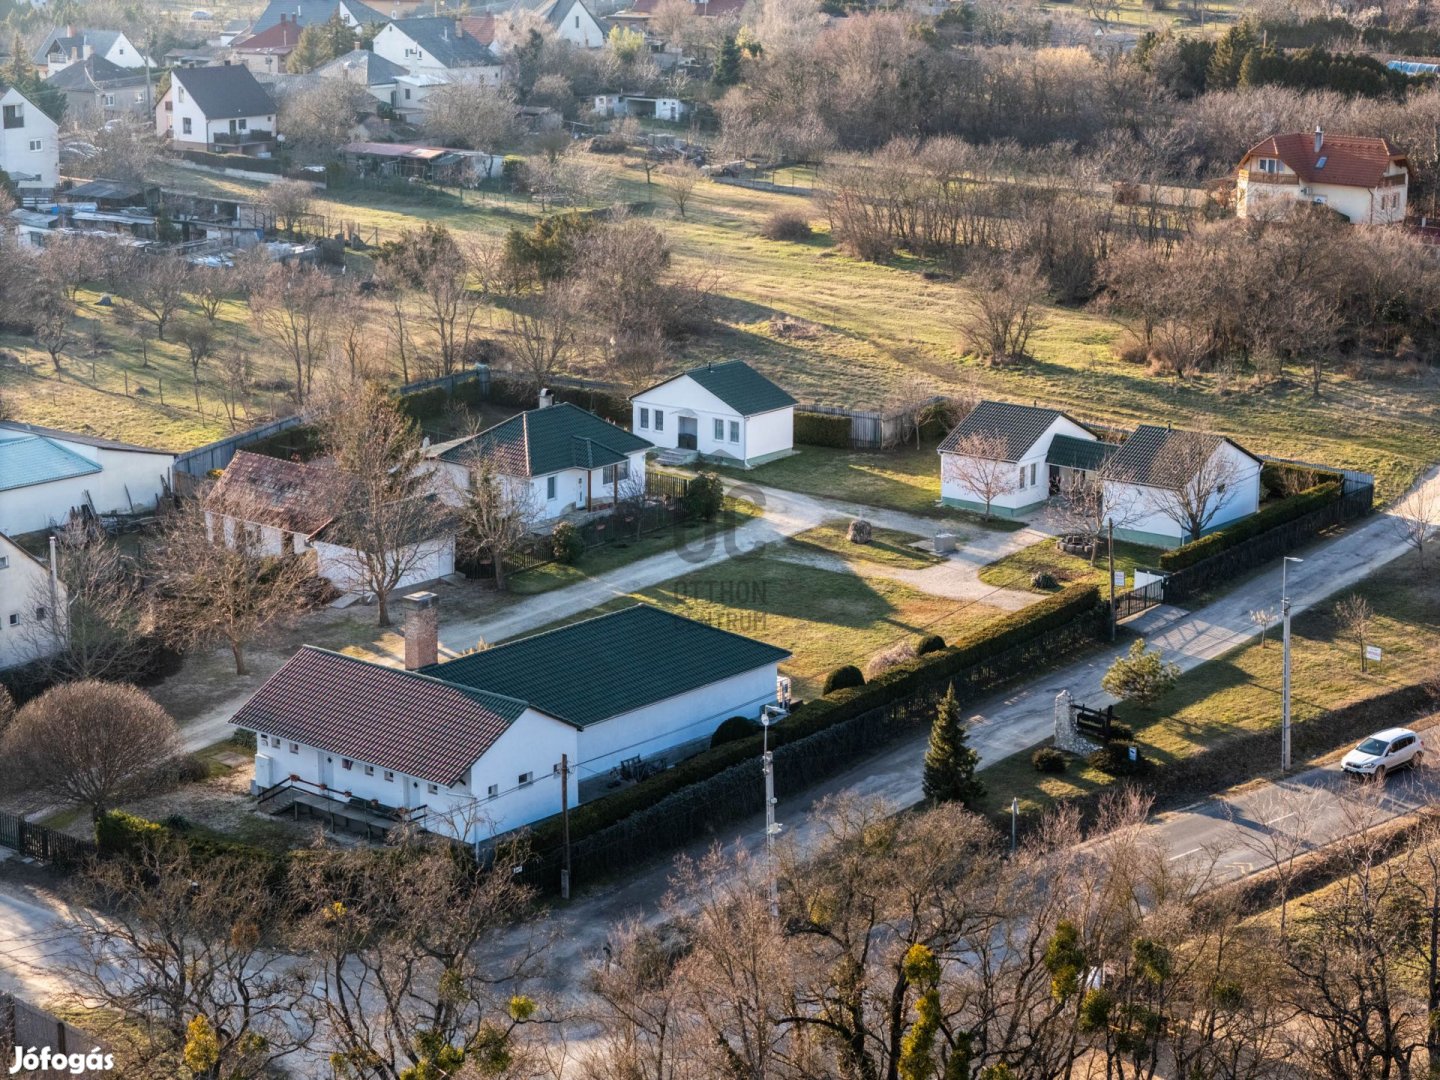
<point x="243" y="739"/>
<point x="886" y="659"/>
<point x="1120" y="733"/>
<point x="566" y="543"/>
<point x="928" y="644"/>
<point x="787" y="225"/>
<point x="860" y="532"/>
<point x="176" y="822"/>
<point x="704" y="496"/>
<point x="190" y="769"/>
<point x="822" y="429"/>
<point x="119" y="833"/>
<point x="1043" y="579"/>
<point x="1047" y="759"/>
<point x="732" y="730"/>
<point x="1114" y="759"/>
<point x="1248" y="528"/>
<point x="843" y="678"/>
<point x="1140" y="676"/>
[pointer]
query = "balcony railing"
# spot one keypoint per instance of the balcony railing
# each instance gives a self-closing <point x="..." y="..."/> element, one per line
<point x="1255" y="176"/>
<point x="240" y="138"/>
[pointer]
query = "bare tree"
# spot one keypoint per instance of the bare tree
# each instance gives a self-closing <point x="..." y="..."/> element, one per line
<point x="542" y="335"/>
<point x="977" y="463"/>
<point x="198" y="337"/>
<point x="88" y="744"/>
<point x="236" y="375"/>
<point x="1091" y="502"/>
<point x="1000" y="310"/>
<point x="209" y="288"/>
<point x="1416" y="518"/>
<point x="497" y="515"/>
<point x="1356" y="620"/>
<point x="157" y="284"/>
<point x="51" y="318"/>
<point x="293" y="312"/>
<point x="470" y="114"/>
<point x="288" y="201"/>
<point x="678" y="181"/>
<point x="1192" y="480"/>
<point x="446" y="274"/>
<point x="1262" y="617"/>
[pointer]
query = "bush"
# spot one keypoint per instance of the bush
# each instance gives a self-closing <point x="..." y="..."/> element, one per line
<point x="1120" y="733"/>
<point x="1047" y="759"/>
<point x="732" y="730"/>
<point x="243" y="738"/>
<point x="566" y="543"/>
<point x="1114" y="759"/>
<point x="787" y="225"/>
<point x="928" y="644"/>
<point x="886" y="659"/>
<point x="822" y="429"/>
<point x="860" y="532"/>
<point x="1250" y="527"/>
<point x="843" y="678"/>
<point x="190" y="769"/>
<point x="1043" y="579"/>
<point x="704" y="496"/>
<point x="176" y="822"/>
<point x="1141" y="676"/>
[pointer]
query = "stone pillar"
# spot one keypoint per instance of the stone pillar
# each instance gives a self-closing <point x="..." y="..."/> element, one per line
<point x="422" y="630"/>
<point x="1067" y="736"/>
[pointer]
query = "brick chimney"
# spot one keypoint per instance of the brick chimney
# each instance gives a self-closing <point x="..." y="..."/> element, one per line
<point x="422" y="630"/>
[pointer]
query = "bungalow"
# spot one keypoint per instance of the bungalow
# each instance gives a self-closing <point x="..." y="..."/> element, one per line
<point x="556" y="459"/>
<point x="221" y="109"/>
<point x="46" y="475"/>
<point x="473" y="747"/>
<point x="32" y="599"/>
<point x="68" y="45"/>
<point x="287" y="508"/>
<point x="29" y="142"/>
<point x="1180" y="484"/>
<point x="660" y="108"/>
<point x="1000" y="456"/>
<point x="438" y="47"/>
<point x="728" y="411"/>
<point x="1362" y="178"/>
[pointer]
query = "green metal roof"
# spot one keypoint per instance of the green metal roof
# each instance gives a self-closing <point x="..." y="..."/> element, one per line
<point x="738" y="385"/>
<point x="27" y="459"/>
<point x="547" y="440"/>
<point x="592" y="670"/>
<point x="1072" y="453"/>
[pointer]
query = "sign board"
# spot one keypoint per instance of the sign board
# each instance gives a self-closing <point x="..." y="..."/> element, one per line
<point x="1119" y="579"/>
<point x="1372" y="652"/>
<point x="1134" y="753"/>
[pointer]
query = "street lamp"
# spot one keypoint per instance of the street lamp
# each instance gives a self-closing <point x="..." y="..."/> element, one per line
<point x="1285" y="663"/>
<point x="768" y="715"/>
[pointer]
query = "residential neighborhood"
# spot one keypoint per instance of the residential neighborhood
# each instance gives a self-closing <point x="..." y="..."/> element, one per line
<point x="572" y="540"/>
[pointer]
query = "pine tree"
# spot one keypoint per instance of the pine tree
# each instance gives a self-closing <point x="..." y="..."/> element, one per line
<point x="727" y="64"/>
<point x="950" y="762"/>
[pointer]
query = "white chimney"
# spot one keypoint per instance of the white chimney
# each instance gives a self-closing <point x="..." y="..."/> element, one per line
<point x="1319" y="138"/>
<point x="546" y="399"/>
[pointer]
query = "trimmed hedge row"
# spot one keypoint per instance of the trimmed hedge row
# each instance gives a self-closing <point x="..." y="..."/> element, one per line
<point x="118" y="834"/>
<point x="1248" y="528"/>
<point x="970" y="651"/>
<point x="821" y="429"/>
<point x="234" y="161"/>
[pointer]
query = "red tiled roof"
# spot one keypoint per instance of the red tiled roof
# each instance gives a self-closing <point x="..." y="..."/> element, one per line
<point x="280" y="37"/>
<point x="269" y="491"/>
<point x="411" y="723"/>
<point x="1349" y="160"/>
<point x="480" y="27"/>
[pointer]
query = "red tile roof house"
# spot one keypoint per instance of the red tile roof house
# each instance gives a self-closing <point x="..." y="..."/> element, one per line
<point x="283" y="504"/>
<point x="472" y="747"/>
<point x="1365" y="179"/>
<point x="265" y="53"/>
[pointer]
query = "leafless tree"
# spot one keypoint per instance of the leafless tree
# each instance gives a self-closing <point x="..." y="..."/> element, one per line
<point x="1091" y="502"/>
<point x="977" y="463"/>
<point x="236" y="375"/>
<point x="51" y="316"/>
<point x="1356" y="620"/>
<point x="209" y="288"/>
<point x="293" y="312"/>
<point x="156" y="285"/>
<point x="497" y="515"/>
<point x="198" y="337"/>
<point x="449" y="276"/>
<point x="288" y="201"/>
<point x="1416" y="518"/>
<point x="1000" y="310"/>
<point x="89" y="744"/>
<point x="478" y="117"/>
<point x="71" y="259"/>
<point x="542" y="335"/>
<point x="678" y="180"/>
<point x="1262" y="617"/>
<point x="1192" y="481"/>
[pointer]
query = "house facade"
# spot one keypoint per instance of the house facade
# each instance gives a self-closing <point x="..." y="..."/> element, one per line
<point x="97" y="91"/>
<point x="660" y="108"/>
<point x="32" y="606"/>
<point x="1021" y="437"/>
<point x="729" y="412"/>
<point x="45" y="474"/>
<point x="68" y="45"/>
<point x="439" y="47"/>
<point x="219" y="109"/>
<point x="554" y="460"/>
<point x="574" y="22"/>
<point x="1365" y="179"/>
<point x="266" y="53"/>
<point x="29" y="142"/>
<point x="316" y="13"/>
<point x="363" y="68"/>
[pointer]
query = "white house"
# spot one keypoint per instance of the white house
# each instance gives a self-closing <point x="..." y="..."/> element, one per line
<point x="45" y="474"/>
<point x="68" y="45"/>
<point x="29" y="142"/>
<point x="557" y="459"/>
<point x="287" y="508"/>
<point x="437" y="46"/>
<point x="725" y="411"/>
<point x="364" y="68"/>
<point x="472" y="747"/>
<point x="574" y="22"/>
<point x="1366" y="179"/>
<point x="1020" y="475"/>
<point x="220" y="109"/>
<point x="32" y="601"/>
<point x="1175" y="482"/>
<point x="659" y="108"/>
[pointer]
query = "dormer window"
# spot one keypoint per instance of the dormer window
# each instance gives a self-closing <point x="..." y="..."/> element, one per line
<point x="1268" y="165"/>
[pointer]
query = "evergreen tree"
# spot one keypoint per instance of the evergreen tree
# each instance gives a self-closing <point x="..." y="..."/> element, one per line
<point x="310" y="51"/>
<point x="949" y="761"/>
<point x="339" y="36"/>
<point x="727" y="64"/>
<point x="1229" y="55"/>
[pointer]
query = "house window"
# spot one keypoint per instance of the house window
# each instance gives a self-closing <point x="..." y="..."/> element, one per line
<point x="185" y="126"/>
<point x="389" y="776"/>
<point x="346" y="764"/>
<point x="719" y="430"/>
<point x="550" y="487"/>
<point x="527" y="778"/>
<point x="407" y="93"/>
<point x="493" y="791"/>
<point x="659" y="420"/>
<point x="1032" y="474"/>
<point x="1267" y="165"/>
<point x="611" y="473"/>
<point x="109" y="101"/>
<point x="14" y="618"/>
<point x="734" y="430"/>
<point x="37" y="144"/>
<point x="40" y="613"/>
<point x="644" y="418"/>
<point x="4" y="562"/>
<point x="433" y="789"/>
<point x="14" y="116"/>
<point x="577" y="22"/>
<point x="294" y="747"/>
<point x="1022" y="477"/>
<point x="240" y="125"/>
<point x="180" y="94"/>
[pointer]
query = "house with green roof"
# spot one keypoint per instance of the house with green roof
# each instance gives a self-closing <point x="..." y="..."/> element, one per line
<point x="1008" y="459"/>
<point x="727" y="412"/>
<point x="472" y="746"/>
<point x="556" y="459"/>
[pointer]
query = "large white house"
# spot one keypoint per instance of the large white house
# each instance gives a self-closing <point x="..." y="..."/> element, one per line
<point x="439" y="47"/>
<point x="1018" y="474"/>
<point x="45" y="474"/>
<point x="29" y="142"/>
<point x="556" y="459"/>
<point x="728" y="411"/>
<point x="1366" y="179"/>
<point x="68" y="45"/>
<point x="574" y="22"/>
<point x="472" y="747"/>
<point x="32" y="603"/>
<point x="220" y="109"/>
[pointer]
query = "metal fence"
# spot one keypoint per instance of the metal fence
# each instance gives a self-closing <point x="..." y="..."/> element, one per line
<point x="42" y="842"/>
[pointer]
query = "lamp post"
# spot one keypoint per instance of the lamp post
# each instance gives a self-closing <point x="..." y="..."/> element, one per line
<point x="1285" y="662"/>
<point x="772" y="828"/>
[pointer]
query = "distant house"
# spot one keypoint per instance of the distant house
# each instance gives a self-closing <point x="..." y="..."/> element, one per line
<point x="660" y="108"/>
<point x="574" y="22"/>
<point x="96" y="90"/>
<point x="1365" y="179"/>
<point x="68" y="45"/>
<point x="472" y="747"/>
<point x="220" y="109"/>
<point x="437" y="47"/>
<point x="32" y="606"/>
<point x="266" y="52"/>
<point x="1022" y="438"/>
<point x="1167" y="476"/>
<point x="726" y="411"/>
<point x="287" y="508"/>
<point x="316" y="13"/>
<point x="29" y="142"/>
<point x="365" y="69"/>
<point x="639" y="14"/>
<point x="45" y="474"/>
<point x="557" y="458"/>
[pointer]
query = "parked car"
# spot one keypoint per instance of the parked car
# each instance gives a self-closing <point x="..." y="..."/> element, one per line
<point x="1384" y="752"/>
<point x="200" y="15"/>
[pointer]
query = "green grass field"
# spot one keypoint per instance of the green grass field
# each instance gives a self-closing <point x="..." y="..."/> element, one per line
<point x="1014" y="571"/>
<point x="887" y="547"/>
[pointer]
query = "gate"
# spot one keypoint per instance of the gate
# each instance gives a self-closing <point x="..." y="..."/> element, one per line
<point x="1133" y="601"/>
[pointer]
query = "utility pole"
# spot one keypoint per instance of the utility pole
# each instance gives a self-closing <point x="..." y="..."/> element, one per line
<point x="1285" y="663"/>
<point x="772" y="829"/>
<point x="565" y="824"/>
<point x="1110" y="548"/>
<point x="1014" y="823"/>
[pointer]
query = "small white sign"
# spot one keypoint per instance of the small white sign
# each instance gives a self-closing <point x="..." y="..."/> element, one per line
<point x="1119" y="579"/>
<point x="1372" y="652"/>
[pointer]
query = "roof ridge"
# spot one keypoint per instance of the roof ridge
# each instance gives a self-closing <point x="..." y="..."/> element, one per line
<point x="469" y="691"/>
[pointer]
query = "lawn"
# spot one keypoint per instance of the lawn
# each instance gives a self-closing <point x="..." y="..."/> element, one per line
<point x="887" y="547"/>
<point x="1015" y="570"/>
<point x="825" y="618"/>
<point x="1240" y="691"/>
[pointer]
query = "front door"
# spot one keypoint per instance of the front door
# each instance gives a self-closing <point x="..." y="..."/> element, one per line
<point x="689" y="433"/>
<point x="233" y="128"/>
<point x="580" y="490"/>
<point x="1054" y="479"/>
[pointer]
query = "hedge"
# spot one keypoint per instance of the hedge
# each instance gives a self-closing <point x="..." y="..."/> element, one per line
<point x="234" y="161"/>
<point x="822" y="429"/>
<point x="118" y="834"/>
<point x="966" y="658"/>
<point x="1248" y="528"/>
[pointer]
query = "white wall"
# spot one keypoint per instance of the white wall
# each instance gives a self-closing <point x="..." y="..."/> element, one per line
<point x="202" y="131"/>
<point x="394" y="45"/>
<point x="770" y="433"/>
<point x="1151" y="524"/>
<point x="16" y="155"/>
<point x="1033" y="491"/>
<point x="29" y="509"/>
<point x="685" y="398"/>
<point x="24" y="587"/>
<point x="435" y="559"/>
<point x="579" y="28"/>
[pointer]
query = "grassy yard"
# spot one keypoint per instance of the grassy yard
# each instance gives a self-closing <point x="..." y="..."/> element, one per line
<point x="1240" y="692"/>
<point x="1015" y="570"/>
<point x="825" y="618"/>
<point x="887" y="547"/>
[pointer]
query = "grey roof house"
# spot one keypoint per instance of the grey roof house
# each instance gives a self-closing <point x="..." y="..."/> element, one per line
<point x="97" y="90"/>
<point x="222" y="109"/>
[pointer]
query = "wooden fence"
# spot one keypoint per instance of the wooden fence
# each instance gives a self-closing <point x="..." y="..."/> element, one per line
<point x="42" y="842"/>
<point x="869" y="430"/>
<point x="25" y="1026"/>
